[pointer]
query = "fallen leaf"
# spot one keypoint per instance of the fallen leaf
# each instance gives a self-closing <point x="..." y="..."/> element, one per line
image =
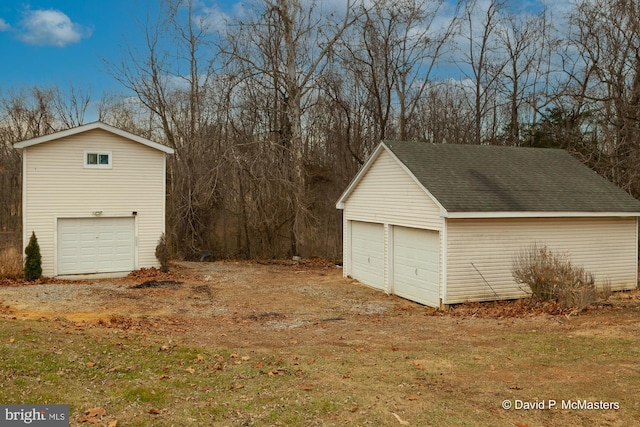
<point x="90" y="364"/>
<point x="96" y="412"/>
<point x="93" y="415"/>
<point x="12" y="339"/>
<point x="113" y="423"/>
<point x="400" y="420"/>
<point x="246" y="358"/>
<point x="190" y="370"/>
<point x="418" y="365"/>
<point x="307" y="387"/>
<point x="153" y="411"/>
<point x="353" y="409"/>
<point x="200" y="357"/>
<point x="412" y="397"/>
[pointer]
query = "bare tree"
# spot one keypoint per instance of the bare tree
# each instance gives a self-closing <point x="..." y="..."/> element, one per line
<point x="605" y="72"/>
<point x="28" y="113"/>
<point x="283" y="46"/>
<point x="483" y="62"/>
<point x="172" y="78"/>
<point x="392" y="51"/>
<point x="527" y="43"/>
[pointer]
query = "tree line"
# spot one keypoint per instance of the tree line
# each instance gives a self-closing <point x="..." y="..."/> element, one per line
<point x="272" y="112"/>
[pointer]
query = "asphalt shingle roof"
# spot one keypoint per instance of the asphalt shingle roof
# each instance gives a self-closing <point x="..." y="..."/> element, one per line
<point x="480" y="178"/>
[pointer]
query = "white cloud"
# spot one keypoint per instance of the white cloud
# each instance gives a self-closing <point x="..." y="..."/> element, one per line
<point x="50" y="28"/>
<point x="4" y="26"/>
<point x="211" y="19"/>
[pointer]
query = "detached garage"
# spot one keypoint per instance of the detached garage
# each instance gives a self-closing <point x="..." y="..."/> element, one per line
<point x="95" y="197"/>
<point x="440" y="224"/>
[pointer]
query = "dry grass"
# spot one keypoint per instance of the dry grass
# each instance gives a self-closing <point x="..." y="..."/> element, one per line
<point x="10" y="264"/>
<point x="288" y="345"/>
<point x="145" y="379"/>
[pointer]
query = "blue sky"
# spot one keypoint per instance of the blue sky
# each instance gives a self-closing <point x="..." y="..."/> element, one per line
<point x="59" y="42"/>
<point x="64" y="42"/>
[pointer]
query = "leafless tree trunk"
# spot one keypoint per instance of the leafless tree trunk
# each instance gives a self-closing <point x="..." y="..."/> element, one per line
<point x="484" y="62"/>
<point x="173" y="79"/>
<point x="284" y="46"/>
<point x="607" y="77"/>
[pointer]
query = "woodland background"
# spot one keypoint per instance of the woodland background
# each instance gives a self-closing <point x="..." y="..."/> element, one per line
<point x="272" y="113"/>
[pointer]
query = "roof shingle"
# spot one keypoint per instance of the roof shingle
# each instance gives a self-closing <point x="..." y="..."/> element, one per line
<point x="481" y="178"/>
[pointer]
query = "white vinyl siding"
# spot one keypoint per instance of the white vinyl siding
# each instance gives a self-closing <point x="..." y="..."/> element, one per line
<point x="387" y="194"/>
<point x="480" y="252"/>
<point x="57" y="185"/>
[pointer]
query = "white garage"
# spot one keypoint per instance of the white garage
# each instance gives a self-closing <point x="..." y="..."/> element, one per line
<point x="95" y="245"/>
<point x="440" y="223"/>
<point x="95" y="197"/>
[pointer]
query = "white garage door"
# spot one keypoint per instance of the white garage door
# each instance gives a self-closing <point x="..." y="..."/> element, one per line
<point x="95" y="245"/>
<point x="416" y="265"/>
<point x="367" y="253"/>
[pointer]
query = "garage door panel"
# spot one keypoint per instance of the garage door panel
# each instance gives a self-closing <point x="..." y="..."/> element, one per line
<point x="367" y="253"/>
<point x="95" y="245"/>
<point x="416" y="265"/>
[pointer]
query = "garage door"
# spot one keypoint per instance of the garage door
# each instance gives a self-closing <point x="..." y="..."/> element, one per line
<point x="416" y="265"/>
<point x="367" y="253"/>
<point x="95" y="245"/>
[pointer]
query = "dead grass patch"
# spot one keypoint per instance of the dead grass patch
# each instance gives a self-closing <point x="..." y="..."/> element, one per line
<point x="271" y="345"/>
<point x="11" y="264"/>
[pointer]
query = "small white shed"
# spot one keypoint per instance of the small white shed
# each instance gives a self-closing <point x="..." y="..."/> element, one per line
<point x="441" y="223"/>
<point x="95" y="197"/>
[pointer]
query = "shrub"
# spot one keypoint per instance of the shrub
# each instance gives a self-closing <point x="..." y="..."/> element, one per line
<point x="163" y="253"/>
<point x="33" y="262"/>
<point x="10" y="264"/>
<point x="550" y="276"/>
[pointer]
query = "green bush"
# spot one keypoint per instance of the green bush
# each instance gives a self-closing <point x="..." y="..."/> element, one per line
<point x="163" y="253"/>
<point x="33" y="262"/>
<point x="550" y="276"/>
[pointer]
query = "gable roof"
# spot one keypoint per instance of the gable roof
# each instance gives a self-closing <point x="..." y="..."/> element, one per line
<point x="92" y="126"/>
<point x="481" y="179"/>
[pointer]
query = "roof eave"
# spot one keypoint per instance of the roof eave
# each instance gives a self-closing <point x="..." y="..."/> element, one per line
<point x="531" y="214"/>
<point x="362" y="172"/>
<point x="88" y="127"/>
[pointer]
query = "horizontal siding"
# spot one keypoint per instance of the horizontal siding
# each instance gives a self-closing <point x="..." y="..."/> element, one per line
<point x="58" y="185"/>
<point x="387" y="194"/>
<point x="607" y="247"/>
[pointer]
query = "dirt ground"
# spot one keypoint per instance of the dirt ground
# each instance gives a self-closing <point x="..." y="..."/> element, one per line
<point x="275" y="304"/>
<point x="357" y="344"/>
